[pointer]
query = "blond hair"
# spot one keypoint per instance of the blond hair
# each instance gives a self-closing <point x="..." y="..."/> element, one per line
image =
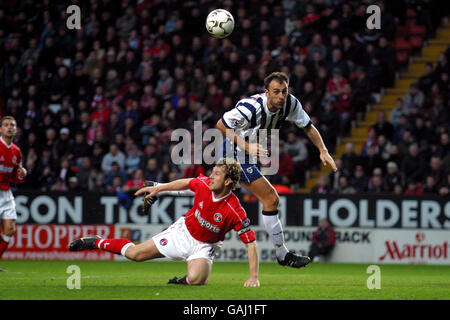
<point x="232" y="170"/>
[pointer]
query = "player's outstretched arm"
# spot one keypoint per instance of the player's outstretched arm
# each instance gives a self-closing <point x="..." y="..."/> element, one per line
<point x="180" y="184"/>
<point x="316" y="139"/>
<point x="253" y="262"/>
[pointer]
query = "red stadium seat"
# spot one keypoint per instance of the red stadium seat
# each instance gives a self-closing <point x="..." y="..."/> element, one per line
<point x="416" y="42"/>
<point x="416" y="30"/>
<point x="400" y="44"/>
<point x="402" y="57"/>
<point x="411" y="16"/>
<point x="402" y="31"/>
<point x="410" y="13"/>
<point x="403" y="49"/>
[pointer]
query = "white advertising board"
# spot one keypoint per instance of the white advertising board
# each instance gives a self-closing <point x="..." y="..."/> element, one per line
<point x="353" y="245"/>
<point x="412" y="246"/>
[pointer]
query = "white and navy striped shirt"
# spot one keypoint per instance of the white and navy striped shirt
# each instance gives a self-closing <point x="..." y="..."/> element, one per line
<point x="252" y="114"/>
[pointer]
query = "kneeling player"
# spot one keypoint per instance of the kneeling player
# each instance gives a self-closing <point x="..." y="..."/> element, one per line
<point x="199" y="234"/>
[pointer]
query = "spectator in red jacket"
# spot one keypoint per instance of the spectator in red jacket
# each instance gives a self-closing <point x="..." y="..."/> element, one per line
<point x="323" y="240"/>
<point x="286" y="170"/>
<point x="194" y="169"/>
<point x="135" y="182"/>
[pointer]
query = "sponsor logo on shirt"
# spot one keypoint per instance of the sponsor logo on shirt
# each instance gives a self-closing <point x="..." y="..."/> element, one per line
<point x="205" y="223"/>
<point x="6" y="168"/>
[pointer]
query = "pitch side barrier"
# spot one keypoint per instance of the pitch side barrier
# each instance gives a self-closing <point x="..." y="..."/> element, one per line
<point x="345" y="211"/>
<point x="369" y="228"/>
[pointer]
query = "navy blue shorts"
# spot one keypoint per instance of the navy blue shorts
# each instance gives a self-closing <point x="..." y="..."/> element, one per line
<point x="250" y="173"/>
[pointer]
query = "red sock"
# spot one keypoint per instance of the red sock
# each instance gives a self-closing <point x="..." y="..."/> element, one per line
<point x="112" y="245"/>
<point x="3" y="246"/>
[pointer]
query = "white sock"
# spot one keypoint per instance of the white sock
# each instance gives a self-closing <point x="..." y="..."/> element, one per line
<point x="6" y="238"/>
<point x="125" y="247"/>
<point x="275" y="231"/>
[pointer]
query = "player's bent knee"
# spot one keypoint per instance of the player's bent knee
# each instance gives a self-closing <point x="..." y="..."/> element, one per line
<point x="9" y="231"/>
<point x="272" y="201"/>
<point x="197" y="280"/>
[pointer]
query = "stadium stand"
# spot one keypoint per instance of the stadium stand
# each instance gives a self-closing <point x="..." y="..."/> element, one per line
<point x="131" y="75"/>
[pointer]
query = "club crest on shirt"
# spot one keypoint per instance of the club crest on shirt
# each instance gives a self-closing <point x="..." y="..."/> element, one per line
<point x="217" y="217"/>
<point x="250" y="170"/>
<point x="201" y="205"/>
<point x="163" y="241"/>
<point x="14" y="160"/>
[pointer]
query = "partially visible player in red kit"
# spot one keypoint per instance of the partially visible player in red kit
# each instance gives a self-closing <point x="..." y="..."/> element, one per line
<point x="11" y="171"/>
<point x="199" y="234"/>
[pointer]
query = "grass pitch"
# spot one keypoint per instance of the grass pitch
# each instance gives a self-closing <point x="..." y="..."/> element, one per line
<point x="108" y="280"/>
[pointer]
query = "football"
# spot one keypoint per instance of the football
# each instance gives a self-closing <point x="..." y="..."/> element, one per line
<point x="220" y="23"/>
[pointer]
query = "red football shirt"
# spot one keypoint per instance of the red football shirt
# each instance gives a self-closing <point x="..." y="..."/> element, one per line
<point x="10" y="162"/>
<point x="210" y="219"/>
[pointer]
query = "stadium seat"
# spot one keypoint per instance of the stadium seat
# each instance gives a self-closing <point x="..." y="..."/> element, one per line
<point x="411" y="16"/>
<point x="410" y="13"/>
<point x="416" y="30"/>
<point x="402" y="57"/>
<point x="417" y="34"/>
<point x="402" y="31"/>
<point x="416" y="42"/>
<point x="403" y="50"/>
<point x="402" y="45"/>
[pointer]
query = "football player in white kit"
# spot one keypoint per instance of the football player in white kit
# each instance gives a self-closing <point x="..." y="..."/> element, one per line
<point x="268" y="111"/>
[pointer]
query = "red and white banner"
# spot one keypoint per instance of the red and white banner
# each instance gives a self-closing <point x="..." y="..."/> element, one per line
<point x="50" y="242"/>
<point x="353" y="245"/>
<point x="412" y="246"/>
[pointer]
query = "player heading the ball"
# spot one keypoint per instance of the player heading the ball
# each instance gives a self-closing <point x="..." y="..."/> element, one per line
<point x="268" y="111"/>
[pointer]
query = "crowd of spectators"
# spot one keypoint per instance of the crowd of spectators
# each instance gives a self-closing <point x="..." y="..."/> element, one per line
<point x="96" y="106"/>
<point x="407" y="154"/>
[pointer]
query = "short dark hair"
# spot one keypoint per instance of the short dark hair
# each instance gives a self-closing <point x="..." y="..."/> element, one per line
<point x="278" y="76"/>
<point x="7" y="118"/>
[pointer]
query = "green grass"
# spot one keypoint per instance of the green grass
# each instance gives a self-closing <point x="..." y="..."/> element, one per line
<point x="42" y="280"/>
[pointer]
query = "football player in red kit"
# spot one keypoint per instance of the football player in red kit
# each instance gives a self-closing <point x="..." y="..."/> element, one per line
<point x="199" y="234"/>
<point x="11" y="171"/>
